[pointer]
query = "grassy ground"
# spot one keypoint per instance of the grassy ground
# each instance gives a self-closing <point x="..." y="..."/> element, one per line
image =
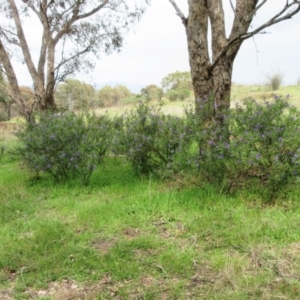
<point x="125" y="237"/>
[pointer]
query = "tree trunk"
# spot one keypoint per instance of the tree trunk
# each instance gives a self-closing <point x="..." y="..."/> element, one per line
<point x="212" y="88"/>
<point x="12" y="79"/>
<point x="50" y="85"/>
<point x="211" y="76"/>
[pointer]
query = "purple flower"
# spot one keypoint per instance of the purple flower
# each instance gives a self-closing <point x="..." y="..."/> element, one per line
<point x="226" y="145"/>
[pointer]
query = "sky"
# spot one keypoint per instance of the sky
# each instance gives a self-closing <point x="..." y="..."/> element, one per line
<point x="157" y="47"/>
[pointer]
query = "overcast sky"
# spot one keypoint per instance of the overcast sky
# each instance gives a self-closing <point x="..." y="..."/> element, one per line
<point x="158" y="47"/>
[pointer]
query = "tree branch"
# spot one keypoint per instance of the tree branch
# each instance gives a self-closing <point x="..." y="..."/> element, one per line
<point x="259" y="6"/>
<point x="179" y="13"/>
<point x="276" y="19"/>
<point x="75" y="17"/>
<point x="64" y="61"/>
<point x="12" y="79"/>
<point x="23" y="42"/>
<point x="93" y="11"/>
<point x="42" y="59"/>
<point x="216" y="16"/>
<point x="9" y="40"/>
<point x="29" y="4"/>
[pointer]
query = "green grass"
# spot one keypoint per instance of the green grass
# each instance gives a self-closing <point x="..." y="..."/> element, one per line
<point x="125" y="237"/>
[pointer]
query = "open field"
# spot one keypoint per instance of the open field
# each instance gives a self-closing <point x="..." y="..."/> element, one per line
<point x="131" y="237"/>
<point x="258" y="92"/>
<point x="239" y="92"/>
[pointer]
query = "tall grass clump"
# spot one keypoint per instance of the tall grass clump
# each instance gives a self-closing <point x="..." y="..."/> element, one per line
<point x="150" y="140"/>
<point x="275" y="80"/>
<point x="67" y="147"/>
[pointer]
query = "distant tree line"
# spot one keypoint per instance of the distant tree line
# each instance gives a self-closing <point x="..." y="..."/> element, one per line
<point x="76" y="95"/>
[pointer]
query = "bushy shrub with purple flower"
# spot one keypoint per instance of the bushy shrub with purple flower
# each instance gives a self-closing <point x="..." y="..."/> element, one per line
<point x="265" y="144"/>
<point x="257" y="145"/>
<point x="151" y="140"/>
<point x="67" y="147"/>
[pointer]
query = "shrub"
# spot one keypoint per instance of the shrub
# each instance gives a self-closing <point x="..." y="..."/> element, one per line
<point x="265" y="144"/>
<point x="67" y="147"/>
<point x="257" y="146"/>
<point x="149" y="139"/>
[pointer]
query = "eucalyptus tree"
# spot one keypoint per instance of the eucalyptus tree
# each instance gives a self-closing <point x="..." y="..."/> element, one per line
<point x="71" y="32"/>
<point x="212" y="75"/>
